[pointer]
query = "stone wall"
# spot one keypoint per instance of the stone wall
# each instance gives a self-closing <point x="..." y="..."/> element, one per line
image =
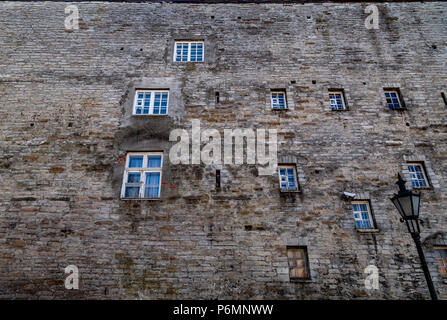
<point x="66" y="125"/>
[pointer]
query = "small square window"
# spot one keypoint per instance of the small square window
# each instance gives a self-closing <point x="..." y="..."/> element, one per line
<point x="288" y="180"/>
<point x="418" y="176"/>
<point x="362" y="215"/>
<point x="337" y="100"/>
<point x="393" y="99"/>
<point x="279" y="100"/>
<point x="142" y="175"/>
<point x="151" y="102"/>
<point x="442" y="260"/>
<point x="298" y="263"/>
<point x="189" y="51"/>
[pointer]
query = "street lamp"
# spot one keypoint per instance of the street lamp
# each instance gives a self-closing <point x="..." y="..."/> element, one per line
<point x="408" y="203"/>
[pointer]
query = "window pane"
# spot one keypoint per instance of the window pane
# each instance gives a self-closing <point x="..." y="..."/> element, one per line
<point x="154" y="161"/>
<point x="152" y="184"/>
<point x="135" y="161"/>
<point x="132" y="192"/>
<point x="133" y="177"/>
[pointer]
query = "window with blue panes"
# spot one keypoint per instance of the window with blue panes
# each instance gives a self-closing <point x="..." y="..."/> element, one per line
<point x="287" y="178"/>
<point x="279" y="100"/>
<point x="151" y="102"/>
<point x="142" y="175"/>
<point x="362" y="215"/>
<point x="417" y="174"/>
<point x="392" y="99"/>
<point x="337" y="101"/>
<point x="191" y="51"/>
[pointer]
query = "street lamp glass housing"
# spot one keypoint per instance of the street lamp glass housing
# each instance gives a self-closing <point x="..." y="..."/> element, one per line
<point x="407" y="203"/>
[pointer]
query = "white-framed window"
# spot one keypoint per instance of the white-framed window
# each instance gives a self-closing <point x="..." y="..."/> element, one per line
<point x="288" y="180"/>
<point x="142" y="175"/>
<point x="151" y="102"/>
<point x="279" y="100"/>
<point x="442" y="260"/>
<point x="392" y="99"/>
<point x="298" y="263"/>
<point x="337" y="100"/>
<point x="417" y="174"/>
<point x="362" y="214"/>
<point x="189" y="51"/>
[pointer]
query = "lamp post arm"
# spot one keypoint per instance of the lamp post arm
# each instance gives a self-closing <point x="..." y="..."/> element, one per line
<point x="431" y="287"/>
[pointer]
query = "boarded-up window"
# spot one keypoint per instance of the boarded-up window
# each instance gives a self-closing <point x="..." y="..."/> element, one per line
<point x="298" y="263"/>
<point x="442" y="260"/>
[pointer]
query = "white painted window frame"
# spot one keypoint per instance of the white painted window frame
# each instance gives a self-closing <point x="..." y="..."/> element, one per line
<point x="287" y="166"/>
<point x="189" y="50"/>
<point x="397" y="96"/>
<point x="342" y="99"/>
<point x="142" y="172"/>
<point x="151" y="103"/>
<point x="424" y="174"/>
<point x="283" y="92"/>
<point x="368" y="207"/>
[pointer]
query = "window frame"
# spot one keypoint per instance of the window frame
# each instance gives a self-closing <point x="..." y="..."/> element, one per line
<point x="398" y="96"/>
<point x="189" y="42"/>
<point x="306" y="263"/>
<point x="142" y="171"/>
<point x="279" y="91"/>
<point x="424" y="174"/>
<point x="444" y="261"/>
<point x="288" y="166"/>
<point x="151" y="103"/>
<point x="370" y="214"/>
<point x="343" y="100"/>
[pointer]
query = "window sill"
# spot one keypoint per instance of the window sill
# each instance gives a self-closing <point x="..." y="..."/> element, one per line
<point x="149" y="115"/>
<point x="149" y="199"/>
<point x="423" y="188"/>
<point x="340" y="110"/>
<point x="188" y="62"/>
<point x="372" y="230"/>
<point x="279" y="109"/>
<point x="397" y="109"/>
<point x="290" y="191"/>
<point x="301" y="280"/>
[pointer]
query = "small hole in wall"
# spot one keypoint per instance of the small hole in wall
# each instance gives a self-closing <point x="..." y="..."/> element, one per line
<point x="407" y="124"/>
<point x="239" y="18"/>
<point x="70" y="124"/>
<point x="31" y="124"/>
<point x="364" y="83"/>
<point x="434" y="46"/>
<point x="217" y="97"/>
<point x="212" y="17"/>
<point x="317" y="171"/>
<point x="141" y="49"/>
<point x="314" y="81"/>
<point x="308" y="17"/>
<point x="293" y="82"/>
<point x="248" y="227"/>
<point x="122" y="48"/>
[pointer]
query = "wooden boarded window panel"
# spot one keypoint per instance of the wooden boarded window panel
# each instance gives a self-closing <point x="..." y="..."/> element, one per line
<point x="442" y="261"/>
<point x="298" y="263"/>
